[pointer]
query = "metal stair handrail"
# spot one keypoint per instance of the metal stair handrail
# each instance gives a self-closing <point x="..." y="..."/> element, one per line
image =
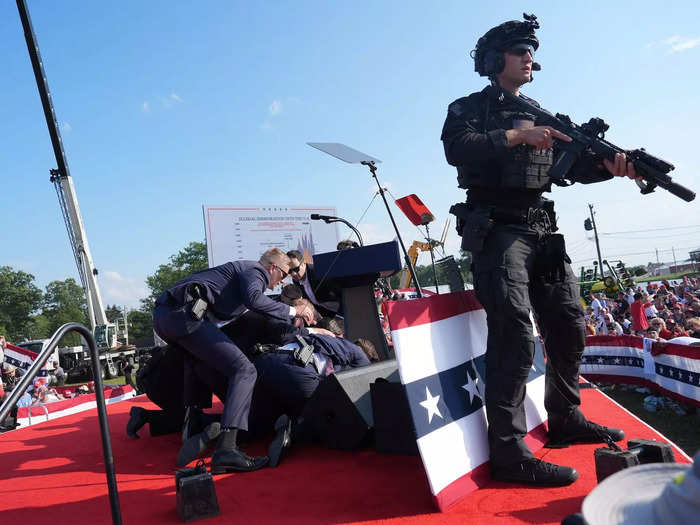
<point x="28" y="377"/>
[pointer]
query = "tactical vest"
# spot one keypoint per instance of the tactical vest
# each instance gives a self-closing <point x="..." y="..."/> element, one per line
<point x="519" y="167"/>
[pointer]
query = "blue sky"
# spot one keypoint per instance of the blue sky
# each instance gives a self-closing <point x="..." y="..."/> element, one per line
<point x="165" y="106"/>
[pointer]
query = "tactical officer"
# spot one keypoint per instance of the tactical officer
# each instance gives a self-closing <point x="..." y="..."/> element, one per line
<point x="190" y="314"/>
<point x="520" y="265"/>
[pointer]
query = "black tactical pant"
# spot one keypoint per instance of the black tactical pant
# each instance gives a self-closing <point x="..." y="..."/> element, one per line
<point x="508" y="284"/>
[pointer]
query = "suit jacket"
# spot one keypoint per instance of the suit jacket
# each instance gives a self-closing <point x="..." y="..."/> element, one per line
<point x="341" y="352"/>
<point x="326" y="297"/>
<point x="232" y="287"/>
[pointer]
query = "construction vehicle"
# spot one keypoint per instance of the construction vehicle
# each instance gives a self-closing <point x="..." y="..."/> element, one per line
<point x="416" y="248"/>
<point x="106" y="334"/>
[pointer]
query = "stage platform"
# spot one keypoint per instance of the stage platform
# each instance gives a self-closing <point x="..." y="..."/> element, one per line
<point x="54" y="472"/>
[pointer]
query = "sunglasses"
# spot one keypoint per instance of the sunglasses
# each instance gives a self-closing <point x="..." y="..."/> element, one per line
<point x="284" y="274"/>
<point x="295" y="269"/>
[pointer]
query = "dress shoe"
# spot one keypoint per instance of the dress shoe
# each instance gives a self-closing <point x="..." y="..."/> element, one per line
<point x="235" y="461"/>
<point x="198" y="444"/>
<point x="282" y="440"/>
<point x="534" y="471"/>
<point x="138" y="417"/>
<point x="582" y="432"/>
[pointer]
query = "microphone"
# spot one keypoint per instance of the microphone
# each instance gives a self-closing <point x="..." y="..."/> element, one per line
<point x="536" y="66"/>
<point x="317" y="217"/>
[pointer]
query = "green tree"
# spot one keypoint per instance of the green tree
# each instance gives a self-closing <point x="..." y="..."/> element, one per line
<point x="19" y="298"/>
<point x="64" y="302"/>
<point x="113" y="313"/>
<point x="140" y="325"/>
<point x="190" y="259"/>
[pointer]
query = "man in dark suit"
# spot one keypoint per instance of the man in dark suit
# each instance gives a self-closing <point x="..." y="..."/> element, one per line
<point x="325" y="297"/>
<point x="190" y="315"/>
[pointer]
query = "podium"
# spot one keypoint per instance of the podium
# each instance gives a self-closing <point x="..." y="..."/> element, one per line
<point x="355" y="272"/>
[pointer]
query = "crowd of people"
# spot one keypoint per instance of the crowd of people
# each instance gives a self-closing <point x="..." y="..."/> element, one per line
<point x="660" y="311"/>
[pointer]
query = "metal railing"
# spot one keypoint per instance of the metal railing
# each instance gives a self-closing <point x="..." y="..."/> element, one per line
<point x="28" y="377"/>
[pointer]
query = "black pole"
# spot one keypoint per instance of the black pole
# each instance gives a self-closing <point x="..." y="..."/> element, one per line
<point x="432" y="259"/>
<point x="347" y="223"/>
<point x="28" y="377"/>
<point x="597" y="245"/>
<point x="373" y="169"/>
<point x="43" y="86"/>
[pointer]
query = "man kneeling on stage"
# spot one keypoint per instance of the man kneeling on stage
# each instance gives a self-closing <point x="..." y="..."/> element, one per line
<point x="190" y="315"/>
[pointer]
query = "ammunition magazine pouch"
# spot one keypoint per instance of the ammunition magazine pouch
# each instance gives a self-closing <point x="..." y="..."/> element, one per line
<point x="473" y="225"/>
<point x="552" y="261"/>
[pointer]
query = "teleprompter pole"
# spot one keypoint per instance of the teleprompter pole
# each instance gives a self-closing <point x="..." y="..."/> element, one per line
<point x="373" y="169"/>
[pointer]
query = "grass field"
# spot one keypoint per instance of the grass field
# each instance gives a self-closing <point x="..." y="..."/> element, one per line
<point x="684" y="431"/>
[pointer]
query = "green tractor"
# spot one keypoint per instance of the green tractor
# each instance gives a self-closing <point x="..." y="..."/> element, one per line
<point x="618" y="278"/>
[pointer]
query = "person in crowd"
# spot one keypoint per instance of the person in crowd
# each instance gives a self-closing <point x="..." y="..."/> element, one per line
<point x="58" y="373"/>
<point x="612" y="326"/>
<point x="652" y="334"/>
<point x="127" y="368"/>
<point x="639" y="318"/>
<point x="659" y="325"/>
<point x="190" y="315"/>
<point x="678" y="314"/>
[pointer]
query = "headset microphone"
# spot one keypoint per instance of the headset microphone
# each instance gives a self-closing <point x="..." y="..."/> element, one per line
<point x="536" y="66"/>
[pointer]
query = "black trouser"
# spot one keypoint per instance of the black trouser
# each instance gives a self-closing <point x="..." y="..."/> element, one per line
<point x="204" y="342"/>
<point x="509" y="288"/>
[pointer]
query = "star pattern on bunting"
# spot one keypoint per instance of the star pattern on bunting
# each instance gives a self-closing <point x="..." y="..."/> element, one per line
<point x="472" y="389"/>
<point x="430" y="404"/>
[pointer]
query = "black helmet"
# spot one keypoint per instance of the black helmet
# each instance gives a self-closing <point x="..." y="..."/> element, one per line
<point x="488" y="54"/>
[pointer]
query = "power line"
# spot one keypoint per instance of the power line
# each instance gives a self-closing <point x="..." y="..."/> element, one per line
<point x="655" y="229"/>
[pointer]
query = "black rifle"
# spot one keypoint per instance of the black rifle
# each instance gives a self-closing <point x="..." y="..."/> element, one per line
<point x="590" y="137"/>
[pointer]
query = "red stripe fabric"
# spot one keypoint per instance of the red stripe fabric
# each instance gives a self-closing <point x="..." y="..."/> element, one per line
<point x="403" y="314"/>
<point x="615" y="340"/>
<point x="23" y="351"/>
<point x="686" y="351"/>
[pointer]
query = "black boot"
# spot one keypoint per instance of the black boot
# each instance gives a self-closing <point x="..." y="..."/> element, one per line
<point x="572" y="430"/>
<point x="198" y="444"/>
<point x="535" y="472"/>
<point x="282" y="440"/>
<point x="138" y="417"/>
<point x="229" y="458"/>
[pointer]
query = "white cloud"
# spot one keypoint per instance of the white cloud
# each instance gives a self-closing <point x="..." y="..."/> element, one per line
<point x="120" y="290"/>
<point x="175" y="97"/>
<point x="145" y="107"/>
<point x="275" y="108"/>
<point x="66" y="126"/>
<point x="676" y="43"/>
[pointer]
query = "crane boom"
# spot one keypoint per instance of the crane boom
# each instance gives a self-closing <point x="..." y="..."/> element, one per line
<point x="63" y="181"/>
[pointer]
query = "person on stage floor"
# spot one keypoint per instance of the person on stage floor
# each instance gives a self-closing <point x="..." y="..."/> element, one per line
<point x="190" y="316"/>
<point x="520" y="266"/>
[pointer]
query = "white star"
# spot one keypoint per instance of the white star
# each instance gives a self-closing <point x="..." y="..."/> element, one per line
<point x="472" y="389"/>
<point x="601" y="360"/>
<point x="430" y="404"/>
<point x="617" y="360"/>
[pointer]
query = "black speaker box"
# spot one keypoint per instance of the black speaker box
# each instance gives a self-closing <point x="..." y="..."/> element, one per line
<point x="393" y="426"/>
<point x="339" y="412"/>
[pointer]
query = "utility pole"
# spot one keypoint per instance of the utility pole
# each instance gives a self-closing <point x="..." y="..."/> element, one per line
<point x="597" y="244"/>
<point x="657" y="255"/>
<point x="673" y="250"/>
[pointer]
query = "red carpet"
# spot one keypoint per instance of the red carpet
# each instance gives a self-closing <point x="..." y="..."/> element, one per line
<point x="54" y="471"/>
